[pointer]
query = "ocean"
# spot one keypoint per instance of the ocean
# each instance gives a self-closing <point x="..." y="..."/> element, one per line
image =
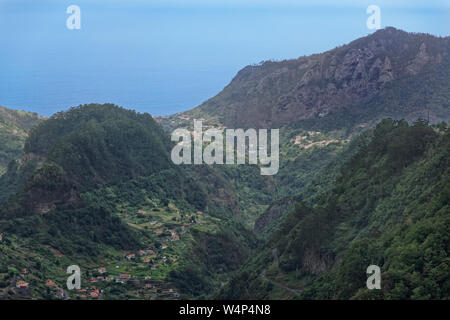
<point x="164" y="57"/>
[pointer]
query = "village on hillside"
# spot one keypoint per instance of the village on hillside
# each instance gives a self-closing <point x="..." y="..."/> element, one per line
<point x="314" y="138"/>
<point x="141" y="273"/>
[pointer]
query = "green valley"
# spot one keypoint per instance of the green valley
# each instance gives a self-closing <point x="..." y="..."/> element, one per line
<point x="363" y="180"/>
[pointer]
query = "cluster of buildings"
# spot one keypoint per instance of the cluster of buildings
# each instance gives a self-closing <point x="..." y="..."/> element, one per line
<point x="144" y="252"/>
<point x="59" y="292"/>
<point x="302" y="142"/>
<point x="22" y="284"/>
<point x="92" y="292"/>
<point x="23" y="287"/>
<point x="101" y="278"/>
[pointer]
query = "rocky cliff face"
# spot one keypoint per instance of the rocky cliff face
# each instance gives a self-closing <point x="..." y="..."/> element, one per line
<point x="278" y="93"/>
<point x="14" y="127"/>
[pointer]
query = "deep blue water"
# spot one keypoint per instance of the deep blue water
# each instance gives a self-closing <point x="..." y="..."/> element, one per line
<point x="168" y="56"/>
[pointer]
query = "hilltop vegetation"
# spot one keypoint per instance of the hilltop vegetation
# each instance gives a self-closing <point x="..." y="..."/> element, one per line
<point x="14" y="127"/>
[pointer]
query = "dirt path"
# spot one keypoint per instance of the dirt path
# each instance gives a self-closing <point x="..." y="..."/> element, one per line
<point x="263" y="275"/>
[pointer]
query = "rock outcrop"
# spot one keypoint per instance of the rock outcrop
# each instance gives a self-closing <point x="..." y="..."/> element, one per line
<point x="278" y="93"/>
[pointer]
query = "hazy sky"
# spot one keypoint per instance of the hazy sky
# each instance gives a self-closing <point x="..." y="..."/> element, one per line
<point x="166" y="56"/>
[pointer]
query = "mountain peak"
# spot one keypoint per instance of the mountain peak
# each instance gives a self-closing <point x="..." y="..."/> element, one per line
<point x="345" y="78"/>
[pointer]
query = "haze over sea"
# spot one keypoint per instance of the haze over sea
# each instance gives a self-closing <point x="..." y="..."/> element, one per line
<point x="167" y="56"/>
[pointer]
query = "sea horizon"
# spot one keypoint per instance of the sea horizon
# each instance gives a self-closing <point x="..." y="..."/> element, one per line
<point x="165" y="58"/>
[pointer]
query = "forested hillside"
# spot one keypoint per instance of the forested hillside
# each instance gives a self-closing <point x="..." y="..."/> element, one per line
<point x="321" y="103"/>
<point x="388" y="207"/>
<point x="96" y="184"/>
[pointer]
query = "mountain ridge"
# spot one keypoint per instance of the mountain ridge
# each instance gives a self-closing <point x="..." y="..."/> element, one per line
<point x="285" y="92"/>
<point x="96" y="183"/>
